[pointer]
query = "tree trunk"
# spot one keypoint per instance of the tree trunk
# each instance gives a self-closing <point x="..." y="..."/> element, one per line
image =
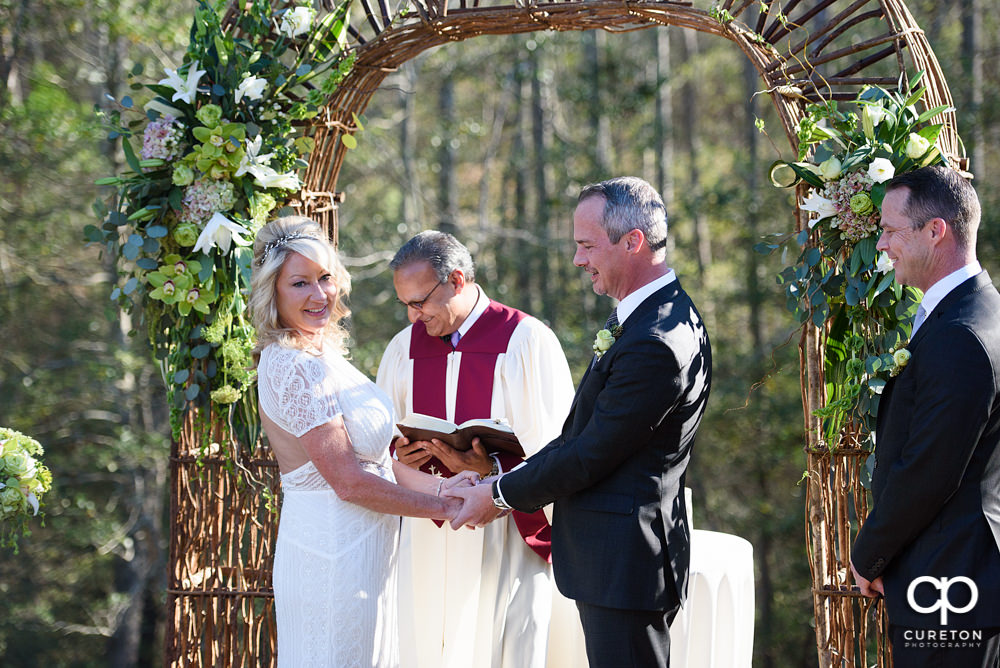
<point x="411" y="203"/>
<point x="972" y="64"/>
<point x="699" y="227"/>
<point x="541" y="139"/>
<point x="447" y="184"/>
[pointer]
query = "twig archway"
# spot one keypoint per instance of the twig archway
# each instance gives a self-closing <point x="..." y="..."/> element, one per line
<point x="220" y="601"/>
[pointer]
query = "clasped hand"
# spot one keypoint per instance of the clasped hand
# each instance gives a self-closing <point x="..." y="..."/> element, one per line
<point x="477" y="500"/>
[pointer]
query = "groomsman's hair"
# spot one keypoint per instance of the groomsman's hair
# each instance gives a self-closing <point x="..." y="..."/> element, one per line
<point x="941" y="192"/>
<point x="630" y="203"/>
<point x="443" y="251"/>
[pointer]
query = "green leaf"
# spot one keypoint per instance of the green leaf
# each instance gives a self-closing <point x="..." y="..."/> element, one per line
<point x="191" y="392"/>
<point x="176" y="199"/>
<point x="931" y="113"/>
<point x="181" y="376"/>
<point x="91" y="233"/>
<point x="201" y="351"/>
<point x="130" y="157"/>
<point x="349" y="141"/>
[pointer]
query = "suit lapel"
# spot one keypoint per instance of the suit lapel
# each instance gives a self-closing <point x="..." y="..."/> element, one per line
<point x="961" y="291"/>
<point x="665" y="294"/>
<point x="934" y="320"/>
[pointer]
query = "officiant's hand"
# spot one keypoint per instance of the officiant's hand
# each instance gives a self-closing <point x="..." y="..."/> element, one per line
<point x="413" y="454"/>
<point x="478" y="509"/>
<point x="474" y="459"/>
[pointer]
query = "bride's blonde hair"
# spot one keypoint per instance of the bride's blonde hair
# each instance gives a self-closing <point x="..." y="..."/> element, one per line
<point x="293" y="234"/>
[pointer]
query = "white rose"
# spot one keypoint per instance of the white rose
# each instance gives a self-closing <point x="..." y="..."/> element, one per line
<point x="297" y="21"/>
<point x="830" y="169"/>
<point x="881" y="170"/>
<point x="916" y="146"/>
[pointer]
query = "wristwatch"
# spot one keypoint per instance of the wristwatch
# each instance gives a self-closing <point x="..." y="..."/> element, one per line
<point x="497" y="499"/>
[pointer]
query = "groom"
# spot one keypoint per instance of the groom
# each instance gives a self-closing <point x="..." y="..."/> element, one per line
<point x="620" y="539"/>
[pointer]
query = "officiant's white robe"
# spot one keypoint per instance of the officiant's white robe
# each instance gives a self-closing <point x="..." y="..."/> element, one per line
<point x="483" y="598"/>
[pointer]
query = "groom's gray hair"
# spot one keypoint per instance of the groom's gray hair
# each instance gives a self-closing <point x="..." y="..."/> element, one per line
<point x="630" y="203"/>
<point x="444" y="252"/>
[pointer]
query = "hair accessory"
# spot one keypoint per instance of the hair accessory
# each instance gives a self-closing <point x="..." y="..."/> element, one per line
<point x="277" y="243"/>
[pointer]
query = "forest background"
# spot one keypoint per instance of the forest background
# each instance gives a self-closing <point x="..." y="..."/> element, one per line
<point x="490" y="139"/>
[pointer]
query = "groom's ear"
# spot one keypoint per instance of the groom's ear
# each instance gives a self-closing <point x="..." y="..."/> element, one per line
<point x="634" y="240"/>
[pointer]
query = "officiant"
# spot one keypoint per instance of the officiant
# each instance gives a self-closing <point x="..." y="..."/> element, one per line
<point x="473" y="598"/>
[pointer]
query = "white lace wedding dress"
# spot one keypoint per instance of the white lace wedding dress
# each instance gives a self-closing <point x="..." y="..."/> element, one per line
<point x="335" y="562"/>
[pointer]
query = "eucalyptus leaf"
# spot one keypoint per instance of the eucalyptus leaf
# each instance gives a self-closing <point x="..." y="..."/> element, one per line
<point x="156" y="231"/>
<point x="181" y="376"/>
<point x="201" y="351"/>
<point x="191" y="392"/>
<point x="147" y="263"/>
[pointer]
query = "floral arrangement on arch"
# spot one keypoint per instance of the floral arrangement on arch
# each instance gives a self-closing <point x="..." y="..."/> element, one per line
<point x="23" y="481"/>
<point x="212" y="155"/>
<point x="839" y="281"/>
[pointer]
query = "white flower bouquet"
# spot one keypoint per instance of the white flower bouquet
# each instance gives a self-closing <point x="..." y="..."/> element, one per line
<point x="23" y="481"/>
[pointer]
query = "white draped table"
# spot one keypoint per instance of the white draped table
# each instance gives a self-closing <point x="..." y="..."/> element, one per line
<point x="714" y="629"/>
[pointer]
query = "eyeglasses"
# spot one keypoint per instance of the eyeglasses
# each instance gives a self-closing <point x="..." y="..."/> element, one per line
<point x="418" y="305"/>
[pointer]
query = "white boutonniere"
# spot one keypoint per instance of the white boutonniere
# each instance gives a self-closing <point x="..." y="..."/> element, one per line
<point x="605" y="339"/>
<point x="900" y="358"/>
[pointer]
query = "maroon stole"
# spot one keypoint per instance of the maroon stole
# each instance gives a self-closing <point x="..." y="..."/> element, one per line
<point x="480" y="348"/>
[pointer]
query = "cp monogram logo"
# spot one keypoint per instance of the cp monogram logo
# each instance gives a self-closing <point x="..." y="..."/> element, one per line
<point x="943" y="603"/>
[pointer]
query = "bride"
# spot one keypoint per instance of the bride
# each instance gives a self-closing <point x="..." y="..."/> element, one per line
<point x="329" y="427"/>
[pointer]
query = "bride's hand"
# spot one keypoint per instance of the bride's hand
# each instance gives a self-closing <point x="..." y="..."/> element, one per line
<point x="452" y="507"/>
<point x="463" y="479"/>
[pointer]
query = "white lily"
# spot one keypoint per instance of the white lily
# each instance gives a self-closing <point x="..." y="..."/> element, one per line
<point x="221" y="232"/>
<point x="252" y="162"/>
<point x="186" y="89"/>
<point x="252" y="87"/>
<point x="268" y="178"/>
<point x="881" y="170"/>
<point x="883" y="264"/>
<point x="821" y="206"/>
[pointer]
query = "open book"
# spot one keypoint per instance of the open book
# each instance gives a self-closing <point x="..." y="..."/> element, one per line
<point x="495" y="434"/>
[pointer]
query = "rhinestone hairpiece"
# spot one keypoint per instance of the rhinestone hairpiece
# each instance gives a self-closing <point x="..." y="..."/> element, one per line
<point x="277" y="243"/>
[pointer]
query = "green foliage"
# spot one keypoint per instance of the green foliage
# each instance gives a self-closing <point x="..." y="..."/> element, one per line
<point x="838" y="282"/>
<point x="221" y="142"/>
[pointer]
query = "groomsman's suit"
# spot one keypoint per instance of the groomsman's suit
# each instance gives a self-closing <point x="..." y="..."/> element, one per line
<point x="936" y="483"/>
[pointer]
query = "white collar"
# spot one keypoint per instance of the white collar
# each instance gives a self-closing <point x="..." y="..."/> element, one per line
<point x="940" y="290"/>
<point x="479" y="308"/>
<point x="631" y="301"/>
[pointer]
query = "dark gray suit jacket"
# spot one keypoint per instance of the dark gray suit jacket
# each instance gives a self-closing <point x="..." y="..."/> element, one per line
<point x="620" y="537"/>
<point x="938" y="465"/>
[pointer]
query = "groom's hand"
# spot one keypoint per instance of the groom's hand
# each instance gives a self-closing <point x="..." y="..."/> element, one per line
<point x="478" y="509"/>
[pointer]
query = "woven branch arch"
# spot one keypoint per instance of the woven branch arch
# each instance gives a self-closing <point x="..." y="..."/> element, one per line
<point x="219" y="595"/>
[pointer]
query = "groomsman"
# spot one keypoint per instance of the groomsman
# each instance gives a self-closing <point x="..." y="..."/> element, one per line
<point x="620" y="538"/>
<point x="474" y="599"/>
<point x="931" y="543"/>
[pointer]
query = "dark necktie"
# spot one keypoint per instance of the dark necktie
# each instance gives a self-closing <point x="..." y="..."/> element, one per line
<point x="612" y="319"/>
